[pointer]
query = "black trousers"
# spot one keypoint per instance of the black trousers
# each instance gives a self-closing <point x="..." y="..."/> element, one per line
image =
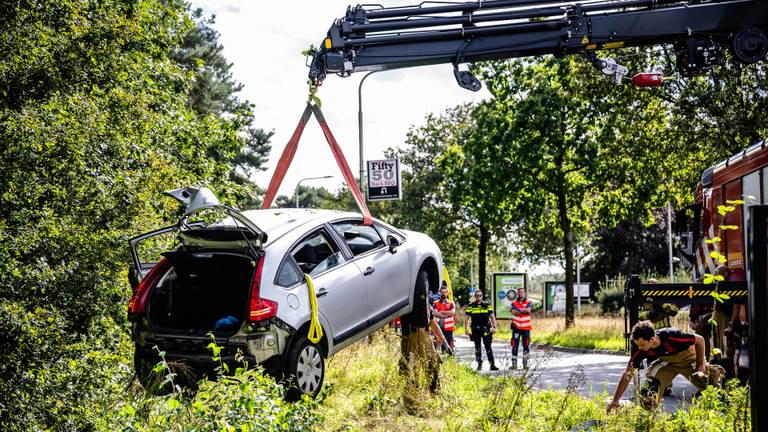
<point x="485" y="337"/>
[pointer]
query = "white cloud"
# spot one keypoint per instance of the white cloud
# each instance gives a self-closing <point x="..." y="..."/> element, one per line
<point x="264" y="41"/>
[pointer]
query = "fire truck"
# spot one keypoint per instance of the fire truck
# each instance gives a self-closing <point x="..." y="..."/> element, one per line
<point x="741" y="177"/>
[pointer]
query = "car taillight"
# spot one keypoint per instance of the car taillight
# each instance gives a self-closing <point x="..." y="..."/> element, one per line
<point x="258" y="308"/>
<point x="139" y="298"/>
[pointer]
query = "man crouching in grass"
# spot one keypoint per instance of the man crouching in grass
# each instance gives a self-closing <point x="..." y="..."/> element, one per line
<point x="669" y="352"/>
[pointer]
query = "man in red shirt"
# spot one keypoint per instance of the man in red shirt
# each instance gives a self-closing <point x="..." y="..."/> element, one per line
<point x="670" y="352"/>
<point x="521" y="326"/>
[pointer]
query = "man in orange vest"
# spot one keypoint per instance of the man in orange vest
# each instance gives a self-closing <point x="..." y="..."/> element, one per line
<point x="445" y="312"/>
<point x="521" y="326"/>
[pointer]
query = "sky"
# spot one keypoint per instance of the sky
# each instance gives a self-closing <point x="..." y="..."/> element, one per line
<point x="264" y="40"/>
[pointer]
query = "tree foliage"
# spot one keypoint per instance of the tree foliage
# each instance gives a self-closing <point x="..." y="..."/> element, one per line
<point x="95" y="122"/>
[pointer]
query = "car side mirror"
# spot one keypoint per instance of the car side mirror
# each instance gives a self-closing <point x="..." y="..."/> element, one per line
<point x="393" y="243"/>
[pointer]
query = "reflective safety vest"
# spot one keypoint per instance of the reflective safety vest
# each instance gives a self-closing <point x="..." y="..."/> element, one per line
<point x="522" y="321"/>
<point x="446" y="323"/>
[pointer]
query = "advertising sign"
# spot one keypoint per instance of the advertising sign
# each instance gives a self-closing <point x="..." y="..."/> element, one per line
<point x="384" y="180"/>
<point x="554" y="295"/>
<point x="505" y="287"/>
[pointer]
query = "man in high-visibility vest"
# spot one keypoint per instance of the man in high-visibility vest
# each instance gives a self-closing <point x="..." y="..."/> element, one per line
<point x="521" y="326"/>
<point x="445" y="311"/>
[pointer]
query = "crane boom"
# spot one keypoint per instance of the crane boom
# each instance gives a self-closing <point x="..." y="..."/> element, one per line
<point x="380" y="38"/>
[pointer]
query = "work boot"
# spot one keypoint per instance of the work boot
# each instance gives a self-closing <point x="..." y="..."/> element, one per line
<point x="493" y="367"/>
<point x="479" y="365"/>
<point x="716" y="375"/>
<point x="525" y="362"/>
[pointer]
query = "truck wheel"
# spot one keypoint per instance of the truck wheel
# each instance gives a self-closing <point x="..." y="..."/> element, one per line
<point x="305" y="369"/>
<point x="419" y="316"/>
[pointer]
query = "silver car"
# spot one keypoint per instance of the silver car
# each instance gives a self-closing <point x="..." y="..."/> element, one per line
<point x="240" y="277"/>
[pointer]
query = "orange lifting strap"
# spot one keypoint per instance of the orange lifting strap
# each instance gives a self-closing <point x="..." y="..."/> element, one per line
<point x="290" y="151"/>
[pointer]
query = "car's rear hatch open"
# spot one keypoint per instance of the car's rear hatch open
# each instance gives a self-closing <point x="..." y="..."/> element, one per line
<point x="204" y="284"/>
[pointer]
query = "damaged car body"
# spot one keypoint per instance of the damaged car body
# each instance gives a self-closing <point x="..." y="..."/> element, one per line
<point x="240" y="278"/>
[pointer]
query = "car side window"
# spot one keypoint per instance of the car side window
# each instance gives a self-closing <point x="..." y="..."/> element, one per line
<point x="384" y="232"/>
<point x="317" y="253"/>
<point x="288" y="274"/>
<point x="359" y="238"/>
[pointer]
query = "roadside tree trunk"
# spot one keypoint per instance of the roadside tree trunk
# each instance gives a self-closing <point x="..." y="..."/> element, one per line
<point x="481" y="258"/>
<point x="565" y="225"/>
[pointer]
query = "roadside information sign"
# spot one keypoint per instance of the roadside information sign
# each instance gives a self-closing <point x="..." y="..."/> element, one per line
<point x="505" y="287"/>
<point x="554" y="295"/>
<point x="384" y="180"/>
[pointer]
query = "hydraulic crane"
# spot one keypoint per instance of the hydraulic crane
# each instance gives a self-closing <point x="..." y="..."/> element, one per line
<point x="373" y="37"/>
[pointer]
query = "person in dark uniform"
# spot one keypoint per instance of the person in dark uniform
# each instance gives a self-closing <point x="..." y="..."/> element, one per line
<point x="480" y="327"/>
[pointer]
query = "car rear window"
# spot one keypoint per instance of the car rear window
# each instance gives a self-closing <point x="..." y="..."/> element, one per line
<point x="288" y="274"/>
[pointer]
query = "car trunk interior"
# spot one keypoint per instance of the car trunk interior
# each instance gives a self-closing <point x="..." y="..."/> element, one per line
<point x="205" y="292"/>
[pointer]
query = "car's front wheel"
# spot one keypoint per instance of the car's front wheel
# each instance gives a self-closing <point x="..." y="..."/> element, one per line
<point x="419" y="315"/>
<point x="305" y="369"/>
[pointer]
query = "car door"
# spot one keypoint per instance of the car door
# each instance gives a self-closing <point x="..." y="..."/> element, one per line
<point x="341" y="292"/>
<point x="386" y="274"/>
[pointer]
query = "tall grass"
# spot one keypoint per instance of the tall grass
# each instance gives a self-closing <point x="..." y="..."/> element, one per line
<point x="365" y="393"/>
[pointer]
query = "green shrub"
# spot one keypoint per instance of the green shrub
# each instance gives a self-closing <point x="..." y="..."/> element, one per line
<point x="248" y="400"/>
<point x="55" y="379"/>
<point x="611" y="298"/>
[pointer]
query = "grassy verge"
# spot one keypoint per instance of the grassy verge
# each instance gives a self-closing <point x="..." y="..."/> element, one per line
<point x="365" y="393"/>
<point x="590" y="332"/>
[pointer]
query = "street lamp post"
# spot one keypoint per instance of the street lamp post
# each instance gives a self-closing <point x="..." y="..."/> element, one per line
<point x="360" y="126"/>
<point x="307" y="178"/>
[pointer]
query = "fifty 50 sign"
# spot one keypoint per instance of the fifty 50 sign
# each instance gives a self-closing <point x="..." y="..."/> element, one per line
<point x="384" y="179"/>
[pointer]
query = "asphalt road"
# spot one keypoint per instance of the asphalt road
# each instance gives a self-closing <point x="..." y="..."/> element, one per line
<point x="552" y="369"/>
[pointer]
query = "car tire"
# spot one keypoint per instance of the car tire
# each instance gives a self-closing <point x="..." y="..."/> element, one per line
<point x="304" y="369"/>
<point x="419" y="316"/>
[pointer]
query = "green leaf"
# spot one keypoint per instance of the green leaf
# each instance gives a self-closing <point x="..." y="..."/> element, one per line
<point x="128" y="411"/>
<point x="723" y="209"/>
<point x="708" y="278"/>
<point x="713" y="240"/>
<point x="734" y="202"/>
<point x="729" y="227"/>
<point x="173" y="403"/>
<point x="717" y="256"/>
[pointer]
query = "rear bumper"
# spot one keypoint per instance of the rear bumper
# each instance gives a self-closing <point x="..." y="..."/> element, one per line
<point x="263" y="346"/>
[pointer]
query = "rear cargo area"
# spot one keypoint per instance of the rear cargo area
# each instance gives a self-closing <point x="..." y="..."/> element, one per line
<point x="204" y="292"/>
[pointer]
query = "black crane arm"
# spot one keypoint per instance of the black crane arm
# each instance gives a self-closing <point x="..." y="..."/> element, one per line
<point x="379" y="38"/>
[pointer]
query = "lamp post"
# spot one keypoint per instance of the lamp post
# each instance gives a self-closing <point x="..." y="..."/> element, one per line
<point x="360" y="126"/>
<point x="307" y="178"/>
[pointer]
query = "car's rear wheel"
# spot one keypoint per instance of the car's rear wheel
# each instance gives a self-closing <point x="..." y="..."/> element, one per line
<point x="419" y="315"/>
<point x="305" y="369"/>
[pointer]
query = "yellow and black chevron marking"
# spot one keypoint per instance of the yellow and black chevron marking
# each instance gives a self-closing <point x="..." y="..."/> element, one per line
<point x="691" y="293"/>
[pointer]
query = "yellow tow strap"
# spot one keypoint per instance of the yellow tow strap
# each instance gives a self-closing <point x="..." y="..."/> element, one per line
<point x="315" y="330"/>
